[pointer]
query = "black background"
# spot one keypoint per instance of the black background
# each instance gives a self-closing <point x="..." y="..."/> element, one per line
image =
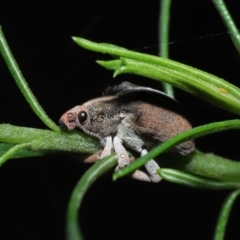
<point x="34" y="192"/>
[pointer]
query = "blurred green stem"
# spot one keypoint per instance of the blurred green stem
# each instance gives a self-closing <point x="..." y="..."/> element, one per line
<point x="228" y="21"/>
<point x="164" y="18"/>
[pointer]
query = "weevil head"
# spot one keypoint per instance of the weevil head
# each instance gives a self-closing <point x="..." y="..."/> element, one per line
<point x="76" y="117"/>
<point x="98" y="117"/>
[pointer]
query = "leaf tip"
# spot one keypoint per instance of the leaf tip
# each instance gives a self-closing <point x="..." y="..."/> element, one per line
<point x="116" y="73"/>
<point x="74" y="38"/>
<point x="79" y="40"/>
<point x="101" y="63"/>
<point x="115" y="176"/>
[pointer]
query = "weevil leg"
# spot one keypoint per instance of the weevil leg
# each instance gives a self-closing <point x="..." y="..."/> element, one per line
<point x="107" y="148"/>
<point x="123" y="160"/>
<point x="138" y="175"/>
<point x="151" y="167"/>
<point x="122" y="155"/>
<point x="141" y="176"/>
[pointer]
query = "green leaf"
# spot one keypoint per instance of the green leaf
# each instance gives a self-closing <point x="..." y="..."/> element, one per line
<point x="224" y="214"/>
<point x="12" y="151"/>
<point x="22" y="84"/>
<point x="97" y="170"/>
<point x="202" y="84"/>
<point x="189" y="180"/>
<point x="4" y="147"/>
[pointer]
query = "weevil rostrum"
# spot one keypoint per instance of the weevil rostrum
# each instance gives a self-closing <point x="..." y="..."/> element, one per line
<point x="132" y="116"/>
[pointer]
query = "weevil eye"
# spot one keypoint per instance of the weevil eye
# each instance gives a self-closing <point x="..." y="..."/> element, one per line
<point x="82" y="117"/>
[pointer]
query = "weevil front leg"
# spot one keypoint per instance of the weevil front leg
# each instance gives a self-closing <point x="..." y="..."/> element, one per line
<point x="151" y="167"/>
<point x="122" y="155"/>
<point x="108" y="145"/>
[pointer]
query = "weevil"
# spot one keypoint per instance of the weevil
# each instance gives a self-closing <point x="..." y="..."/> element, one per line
<point x="133" y="116"/>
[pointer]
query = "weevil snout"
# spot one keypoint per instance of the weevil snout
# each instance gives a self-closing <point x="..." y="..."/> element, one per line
<point x="62" y="124"/>
<point x="74" y="117"/>
<point x="68" y="120"/>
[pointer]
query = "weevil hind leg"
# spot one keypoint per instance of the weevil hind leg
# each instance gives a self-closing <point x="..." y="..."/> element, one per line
<point x="141" y="176"/>
<point x="151" y="167"/>
<point x="138" y="175"/>
<point x="124" y="160"/>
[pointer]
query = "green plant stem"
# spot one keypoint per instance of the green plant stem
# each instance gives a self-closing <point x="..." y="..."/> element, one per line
<point x="22" y="84"/>
<point x="182" y="137"/>
<point x="164" y="18"/>
<point x="224" y="214"/>
<point x="97" y="170"/>
<point x="228" y="21"/>
<point x="47" y="140"/>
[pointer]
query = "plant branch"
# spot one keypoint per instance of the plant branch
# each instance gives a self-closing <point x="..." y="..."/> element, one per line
<point x="47" y="140"/>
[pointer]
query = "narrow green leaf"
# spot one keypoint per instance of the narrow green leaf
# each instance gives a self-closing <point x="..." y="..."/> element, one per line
<point x="224" y="214"/>
<point x="97" y="170"/>
<point x="22" y="84"/>
<point x="202" y="84"/>
<point x="22" y="153"/>
<point x="215" y="92"/>
<point x="189" y="180"/>
<point x="110" y="65"/>
<point x="12" y="151"/>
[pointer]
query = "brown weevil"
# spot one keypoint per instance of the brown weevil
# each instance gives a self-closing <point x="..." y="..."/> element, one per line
<point x="132" y="116"/>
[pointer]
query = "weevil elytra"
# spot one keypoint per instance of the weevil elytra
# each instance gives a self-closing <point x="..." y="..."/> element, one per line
<point x="132" y="116"/>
